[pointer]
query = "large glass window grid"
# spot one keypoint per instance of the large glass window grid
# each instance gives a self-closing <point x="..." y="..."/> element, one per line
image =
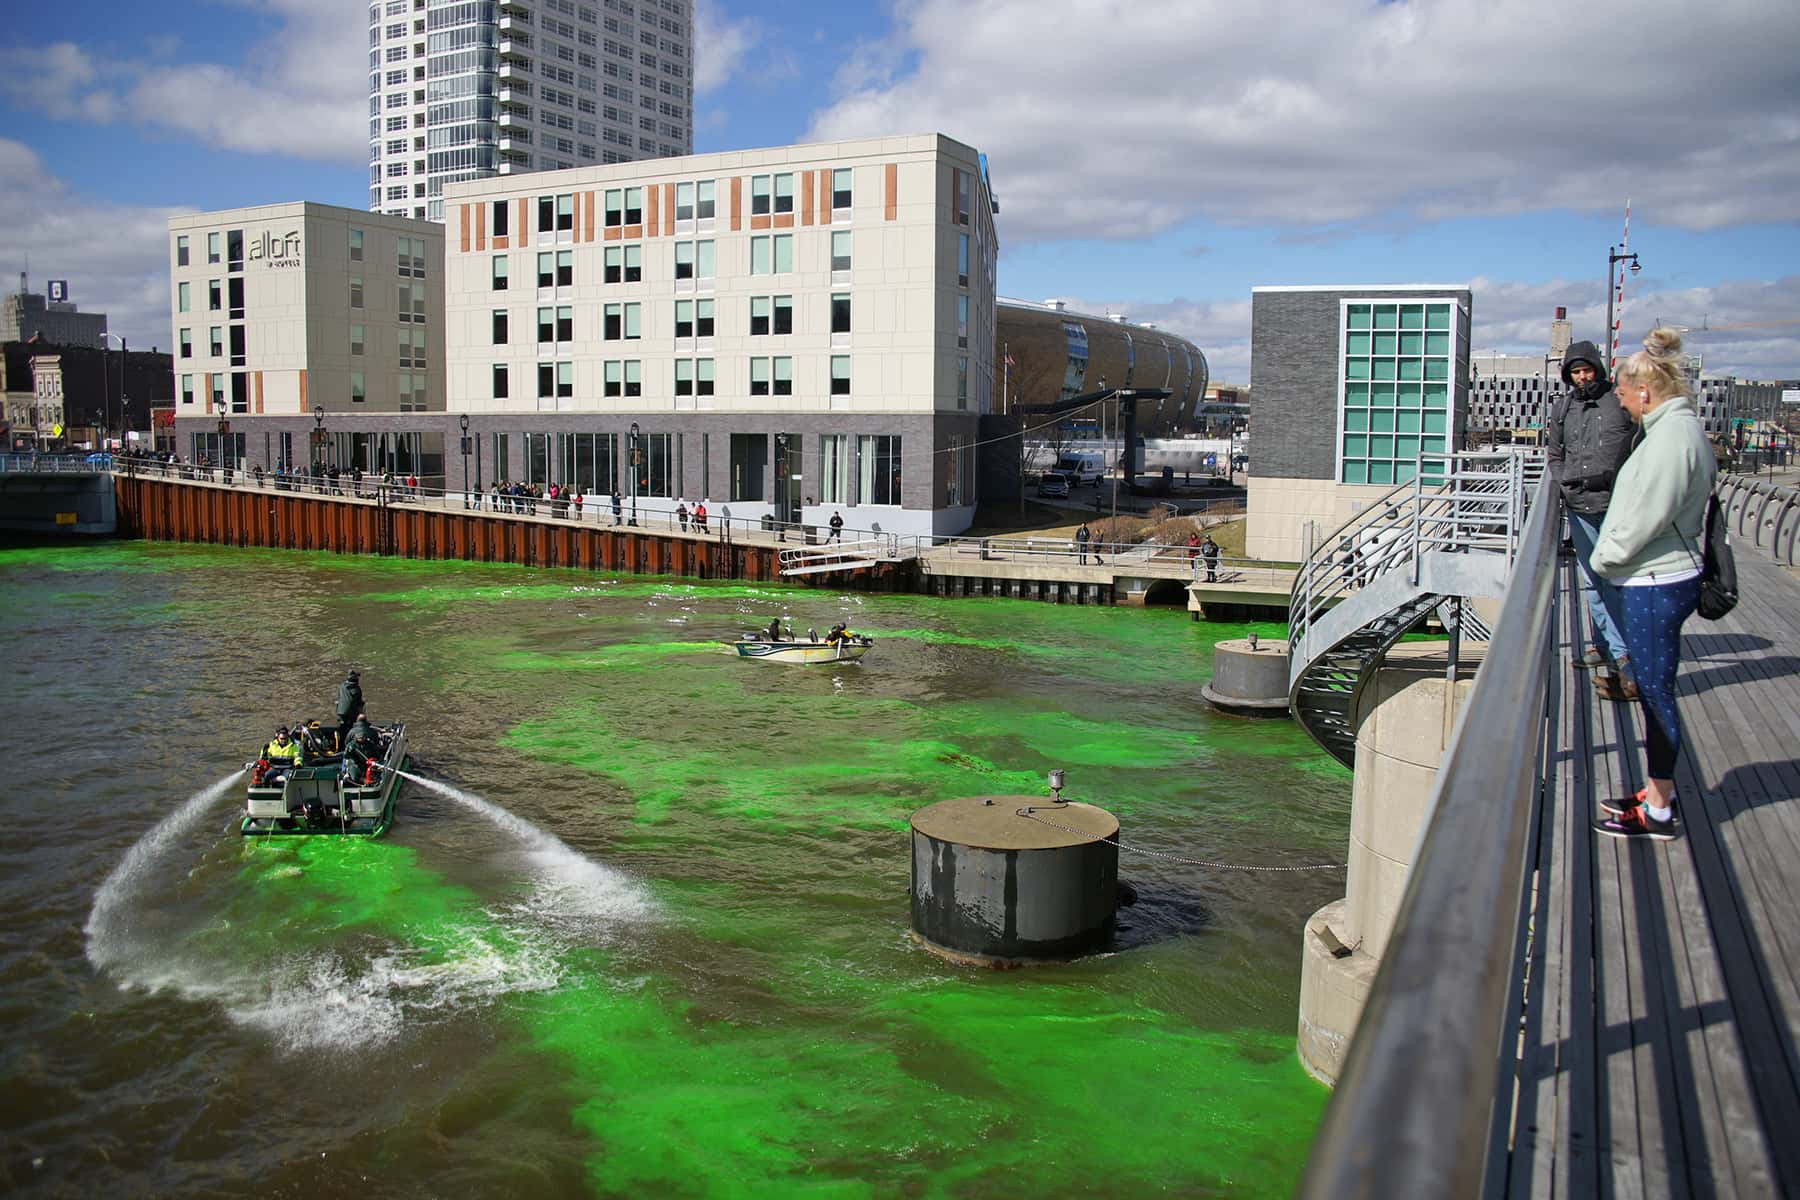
<point x="834" y="468"/>
<point x="1397" y="368"/>
<point x="586" y="461"/>
<point x="655" y="478"/>
<point x="878" y="468"/>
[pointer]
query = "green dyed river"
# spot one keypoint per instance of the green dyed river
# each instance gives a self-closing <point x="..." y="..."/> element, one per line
<point x="653" y="939"/>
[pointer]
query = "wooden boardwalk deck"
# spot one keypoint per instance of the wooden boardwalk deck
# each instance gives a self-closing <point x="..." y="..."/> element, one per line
<point x="1662" y="1014"/>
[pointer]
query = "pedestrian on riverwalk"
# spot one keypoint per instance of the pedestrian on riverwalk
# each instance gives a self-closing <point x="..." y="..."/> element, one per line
<point x="837" y="527"/>
<point x="1589" y="435"/>
<point x="618" y="506"/>
<point x="1649" y="547"/>
<point x="681" y="514"/>
<point x="1209" y="550"/>
<point x="1083" y="537"/>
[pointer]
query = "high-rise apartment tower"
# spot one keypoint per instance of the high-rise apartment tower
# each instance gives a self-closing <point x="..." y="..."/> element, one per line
<point x="469" y="89"/>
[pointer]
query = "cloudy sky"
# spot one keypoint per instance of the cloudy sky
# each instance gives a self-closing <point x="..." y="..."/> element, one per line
<point x="1157" y="158"/>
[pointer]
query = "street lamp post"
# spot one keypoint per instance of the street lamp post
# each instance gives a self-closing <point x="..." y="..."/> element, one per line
<point x="781" y="487"/>
<point x="318" y="447"/>
<point x="1613" y="258"/>
<point x="464" y="422"/>
<point x="634" y="473"/>
<point x="224" y="453"/>
<point x="106" y="388"/>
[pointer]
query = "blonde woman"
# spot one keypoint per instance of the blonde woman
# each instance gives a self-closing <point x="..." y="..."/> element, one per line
<point x="1649" y="546"/>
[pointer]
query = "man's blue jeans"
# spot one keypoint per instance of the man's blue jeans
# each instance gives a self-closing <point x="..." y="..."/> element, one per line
<point x="1602" y="597"/>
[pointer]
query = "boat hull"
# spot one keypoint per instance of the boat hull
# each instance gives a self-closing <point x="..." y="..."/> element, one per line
<point x="317" y="801"/>
<point x="802" y="653"/>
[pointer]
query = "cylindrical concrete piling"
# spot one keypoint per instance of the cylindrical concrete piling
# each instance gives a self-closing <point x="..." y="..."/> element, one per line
<point x="1250" y="678"/>
<point x="993" y="888"/>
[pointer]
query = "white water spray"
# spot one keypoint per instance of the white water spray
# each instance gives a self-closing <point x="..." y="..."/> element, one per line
<point x="570" y="886"/>
<point x="107" y="922"/>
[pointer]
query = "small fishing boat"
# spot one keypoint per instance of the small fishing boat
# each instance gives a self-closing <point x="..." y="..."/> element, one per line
<point x="327" y="793"/>
<point x="808" y="653"/>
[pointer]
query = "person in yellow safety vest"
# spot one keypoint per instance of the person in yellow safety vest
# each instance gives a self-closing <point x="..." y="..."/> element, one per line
<point x="282" y="749"/>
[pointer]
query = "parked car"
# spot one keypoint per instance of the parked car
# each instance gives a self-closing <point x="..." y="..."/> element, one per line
<point x="1053" y="486"/>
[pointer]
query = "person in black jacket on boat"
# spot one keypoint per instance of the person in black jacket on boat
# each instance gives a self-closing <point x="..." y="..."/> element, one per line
<point x="349" y="705"/>
<point x="362" y="746"/>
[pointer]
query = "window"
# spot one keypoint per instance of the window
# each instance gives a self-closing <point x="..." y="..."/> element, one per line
<point x="187" y="343"/>
<point x="181" y="251"/>
<point x="212" y="247"/>
<point x="759" y="377"/>
<point x="356" y="245"/>
<point x="840" y="312"/>
<point x="634" y="206"/>
<point x="840" y="188"/>
<point x="878" y="469"/>
<point x="412" y="348"/>
<point x="784" y="193"/>
<point x="357" y="333"/>
<point x="622" y="321"/>
<point x="784" y="375"/>
<point x="962" y="260"/>
<point x="218" y="340"/>
<point x="684" y="202"/>
<point x="759" y="195"/>
<point x="585" y="462"/>
<point x="546" y="274"/>
<point x="500" y="327"/>
<point x="771" y="314"/>
<point x="546" y="214"/>
<point x="234" y="250"/>
<point x="409" y="257"/>
<point x="624" y="264"/>
<point x="565" y="268"/>
<point x="962" y="321"/>
<point x="1398" y="360"/>
<point x="556" y="380"/>
<point x="215" y="295"/>
<point x="840" y="250"/>
<point x="615" y="207"/>
<point x="497" y="223"/>
<point x="499" y="272"/>
<point x="565" y="212"/>
<point x="840" y="374"/>
<point x="181" y="297"/>
<point x="356" y="293"/>
<point x="834" y="468"/>
<point x="358" y="389"/>
<point x="500" y="387"/>
<point x="703" y="199"/>
<point x="411" y="303"/>
<point x="749" y="463"/>
<point x="962" y="197"/>
<point x="772" y="255"/>
<point x="187" y="387"/>
<point x="693" y="318"/>
<point x="624" y="377"/>
<point x="556" y="324"/>
<point x="962" y="381"/>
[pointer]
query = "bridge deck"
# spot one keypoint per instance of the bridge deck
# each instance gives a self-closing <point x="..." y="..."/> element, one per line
<point x="1658" y="1046"/>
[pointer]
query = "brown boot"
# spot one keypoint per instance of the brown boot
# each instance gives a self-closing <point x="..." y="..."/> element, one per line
<point x="1613" y="687"/>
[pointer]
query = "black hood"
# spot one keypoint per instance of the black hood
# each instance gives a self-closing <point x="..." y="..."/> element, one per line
<point x="1590" y="354"/>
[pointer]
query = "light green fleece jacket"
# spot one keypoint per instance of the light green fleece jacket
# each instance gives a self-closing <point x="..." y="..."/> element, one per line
<point x="1662" y="488"/>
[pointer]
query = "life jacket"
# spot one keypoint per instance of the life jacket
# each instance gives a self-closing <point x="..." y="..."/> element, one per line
<point x="275" y="750"/>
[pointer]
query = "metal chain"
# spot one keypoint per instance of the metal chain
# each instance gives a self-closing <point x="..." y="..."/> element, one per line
<point x="1192" y="862"/>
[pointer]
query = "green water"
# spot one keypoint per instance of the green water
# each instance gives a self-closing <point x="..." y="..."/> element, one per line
<point x="710" y="988"/>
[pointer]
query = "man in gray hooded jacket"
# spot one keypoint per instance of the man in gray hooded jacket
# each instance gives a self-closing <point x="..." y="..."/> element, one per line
<point x="1589" y="437"/>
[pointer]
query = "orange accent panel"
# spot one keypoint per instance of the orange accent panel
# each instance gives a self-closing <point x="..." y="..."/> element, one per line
<point x="891" y="195"/>
<point x="759" y="222"/>
<point x="784" y="220"/>
<point x="737" y="202"/>
<point x="257" y="376"/>
<point x="652" y="211"/>
<point x="589" y="205"/>
<point x="524" y="219"/>
<point x="669" y="204"/>
<point x="465" y="227"/>
<point x="806" y="197"/>
<point x="481" y="227"/>
<point x="634" y="231"/>
<point x="500" y="242"/>
<point x="825" y="196"/>
<point x="206" y="382"/>
<point x="303" y="405"/>
<point x="613" y="233"/>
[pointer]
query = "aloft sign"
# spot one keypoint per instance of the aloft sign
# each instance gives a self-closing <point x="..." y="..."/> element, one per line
<point x="275" y="253"/>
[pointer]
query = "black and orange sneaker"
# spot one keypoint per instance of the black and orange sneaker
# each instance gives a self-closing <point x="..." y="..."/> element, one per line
<point x="1621" y="805"/>
<point x="1637" y="822"/>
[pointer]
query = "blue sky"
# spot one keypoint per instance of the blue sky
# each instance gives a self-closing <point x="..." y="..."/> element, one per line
<point x="1154" y="159"/>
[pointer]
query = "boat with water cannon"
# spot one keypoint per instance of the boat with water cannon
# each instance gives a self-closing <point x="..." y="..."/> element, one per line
<point x="847" y="647"/>
<point x="328" y="791"/>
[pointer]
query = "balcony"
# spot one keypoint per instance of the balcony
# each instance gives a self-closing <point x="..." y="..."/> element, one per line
<point x="511" y="70"/>
<point x="514" y="22"/>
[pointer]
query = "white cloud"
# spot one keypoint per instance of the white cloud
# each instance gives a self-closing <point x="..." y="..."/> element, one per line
<point x="301" y="91"/>
<point x="720" y="45"/>
<point x="1125" y="120"/>
<point x="114" y="256"/>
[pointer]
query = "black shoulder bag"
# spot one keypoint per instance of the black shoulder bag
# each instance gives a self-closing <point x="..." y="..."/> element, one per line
<point x="1718" y="569"/>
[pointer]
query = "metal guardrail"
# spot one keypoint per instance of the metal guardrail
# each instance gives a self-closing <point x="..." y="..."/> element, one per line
<point x="54" y="464"/>
<point x="1756" y="508"/>
<point x="1413" y="1113"/>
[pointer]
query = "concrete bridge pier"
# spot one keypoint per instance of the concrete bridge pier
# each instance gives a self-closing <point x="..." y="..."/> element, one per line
<point x="1403" y="722"/>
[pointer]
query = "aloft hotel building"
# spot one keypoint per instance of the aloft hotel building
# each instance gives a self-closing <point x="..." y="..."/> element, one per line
<point x="790" y="331"/>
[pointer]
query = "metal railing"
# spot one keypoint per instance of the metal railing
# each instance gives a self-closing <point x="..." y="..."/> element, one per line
<point x="1414" y="1110"/>
<point x="54" y="464"/>
<point x="1161" y="559"/>
<point x="1759" y="510"/>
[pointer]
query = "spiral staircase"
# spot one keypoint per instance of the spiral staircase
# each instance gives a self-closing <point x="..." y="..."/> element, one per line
<point x="1447" y="536"/>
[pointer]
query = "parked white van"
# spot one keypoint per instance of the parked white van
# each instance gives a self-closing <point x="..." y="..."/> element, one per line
<point x="1081" y="466"/>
